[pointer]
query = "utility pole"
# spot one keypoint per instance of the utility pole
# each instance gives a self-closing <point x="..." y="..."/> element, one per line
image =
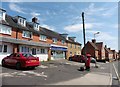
<point x="83" y="32"/>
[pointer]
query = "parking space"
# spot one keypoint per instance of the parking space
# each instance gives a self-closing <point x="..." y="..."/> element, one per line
<point x="49" y="72"/>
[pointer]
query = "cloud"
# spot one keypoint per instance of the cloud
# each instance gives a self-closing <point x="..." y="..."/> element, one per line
<point x="48" y="27"/>
<point x="79" y="27"/>
<point x="100" y="11"/>
<point x="105" y="36"/>
<point x="15" y="7"/>
<point x="35" y="14"/>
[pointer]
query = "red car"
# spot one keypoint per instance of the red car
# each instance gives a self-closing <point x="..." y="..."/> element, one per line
<point x="21" y="60"/>
<point x="77" y="58"/>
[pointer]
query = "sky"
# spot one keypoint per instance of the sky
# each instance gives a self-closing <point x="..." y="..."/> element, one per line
<point x="65" y="17"/>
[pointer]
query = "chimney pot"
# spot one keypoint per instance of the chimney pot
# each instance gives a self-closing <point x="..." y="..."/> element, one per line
<point x="34" y="20"/>
<point x="94" y="41"/>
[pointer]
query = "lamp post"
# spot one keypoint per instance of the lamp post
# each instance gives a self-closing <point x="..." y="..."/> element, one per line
<point x="94" y="39"/>
<point x="95" y="34"/>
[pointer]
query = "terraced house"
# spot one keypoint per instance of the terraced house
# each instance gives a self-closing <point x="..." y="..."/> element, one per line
<point x="19" y="35"/>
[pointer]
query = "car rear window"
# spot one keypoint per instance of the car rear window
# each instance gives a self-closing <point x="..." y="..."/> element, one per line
<point x="27" y="55"/>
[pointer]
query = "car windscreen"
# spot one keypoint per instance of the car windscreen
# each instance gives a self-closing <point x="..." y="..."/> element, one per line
<point x="27" y="55"/>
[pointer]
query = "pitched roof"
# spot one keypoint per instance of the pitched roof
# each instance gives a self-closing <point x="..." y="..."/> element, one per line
<point x="99" y="45"/>
<point x="93" y="45"/>
<point x="73" y="42"/>
<point x="109" y="51"/>
<point x="12" y="21"/>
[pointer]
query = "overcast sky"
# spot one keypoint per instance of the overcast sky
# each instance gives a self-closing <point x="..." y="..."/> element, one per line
<point x="65" y="17"/>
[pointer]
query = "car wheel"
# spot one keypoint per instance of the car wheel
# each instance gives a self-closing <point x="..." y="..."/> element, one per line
<point x="32" y="67"/>
<point x="70" y="59"/>
<point x="18" y="66"/>
<point x="3" y="63"/>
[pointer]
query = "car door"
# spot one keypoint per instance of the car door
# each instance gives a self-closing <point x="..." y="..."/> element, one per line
<point x="8" y="59"/>
<point x="14" y="59"/>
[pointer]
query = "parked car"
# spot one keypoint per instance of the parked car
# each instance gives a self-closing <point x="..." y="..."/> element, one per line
<point x="20" y="60"/>
<point x="77" y="58"/>
<point x="93" y="60"/>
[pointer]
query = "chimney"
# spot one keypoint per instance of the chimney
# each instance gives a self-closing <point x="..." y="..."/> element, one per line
<point x="34" y="20"/>
<point x="105" y="46"/>
<point x="94" y="41"/>
<point x="71" y="38"/>
<point x="109" y="48"/>
<point x="65" y="35"/>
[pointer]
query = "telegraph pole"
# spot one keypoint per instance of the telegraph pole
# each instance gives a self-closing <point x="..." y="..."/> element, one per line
<point x="83" y="32"/>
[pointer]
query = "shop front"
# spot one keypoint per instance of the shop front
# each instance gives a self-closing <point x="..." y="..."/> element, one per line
<point x="58" y="52"/>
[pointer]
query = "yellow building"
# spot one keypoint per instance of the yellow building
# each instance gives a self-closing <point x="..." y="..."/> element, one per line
<point x="74" y="48"/>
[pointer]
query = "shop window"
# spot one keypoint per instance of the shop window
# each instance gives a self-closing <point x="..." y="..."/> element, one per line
<point x="34" y="51"/>
<point x="43" y="51"/>
<point x="5" y="48"/>
<point x="25" y="49"/>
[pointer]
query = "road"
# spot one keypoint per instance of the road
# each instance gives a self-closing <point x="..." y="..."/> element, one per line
<point x="51" y="72"/>
<point x="115" y="70"/>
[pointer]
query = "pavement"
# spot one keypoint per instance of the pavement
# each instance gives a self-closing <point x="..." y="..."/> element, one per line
<point x="89" y="79"/>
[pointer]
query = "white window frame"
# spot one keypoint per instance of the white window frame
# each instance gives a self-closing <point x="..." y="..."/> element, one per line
<point x="5" y="29"/>
<point x="36" y="26"/>
<point x="2" y="15"/>
<point x="22" y="22"/>
<point x="63" y="41"/>
<point x="2" y="50"/>
<point x="43" y="38"/>
<point x="25" y="36"/>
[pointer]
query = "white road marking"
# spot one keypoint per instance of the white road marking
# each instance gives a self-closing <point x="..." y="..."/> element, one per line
<point x="35" y="73"/>
<point x="42" y="66"/>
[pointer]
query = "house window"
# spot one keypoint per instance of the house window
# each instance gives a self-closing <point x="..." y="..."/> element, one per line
<point x="70" y="45"/>
<point x="75" y="53"/>
<point x="70" y="53"/>
<point x="36" y="26"/>
<point x="5" y="29"/>
<point x="75" y="46"/>
<point x="54" y="40"/>
<point x="43" y="37"/>
<point x="5" y="48"/>
<point x="63" y="42"/>
<point x="22" y="21"/>
<point x="1" y="15"/>
<point x="27" y="34"/>
<point x="42" y="51"/>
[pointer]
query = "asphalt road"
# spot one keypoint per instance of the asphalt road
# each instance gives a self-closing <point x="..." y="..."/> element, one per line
<point x="49" y="73"/>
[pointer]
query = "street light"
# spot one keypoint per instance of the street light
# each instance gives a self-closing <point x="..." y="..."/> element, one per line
<point x="95" y="34"/>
